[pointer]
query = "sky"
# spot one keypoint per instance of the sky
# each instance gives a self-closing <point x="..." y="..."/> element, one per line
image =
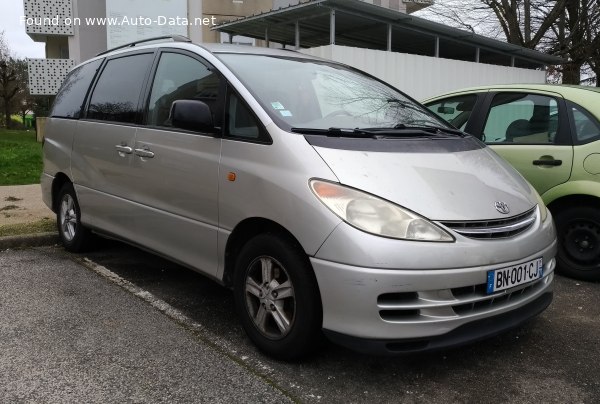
<point x="14" y="32"/>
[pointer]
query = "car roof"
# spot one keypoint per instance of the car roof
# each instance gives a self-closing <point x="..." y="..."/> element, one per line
<point x="556" y="88"/>
<point x="214" y="48"/>
<point x="586" y="96"/>
<point x="247" y="49"/>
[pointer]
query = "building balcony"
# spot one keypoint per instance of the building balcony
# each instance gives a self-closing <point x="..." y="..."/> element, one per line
<point x="45" y="18"/>
<point x="46" y="75"/>
<point x="416" y="5"/>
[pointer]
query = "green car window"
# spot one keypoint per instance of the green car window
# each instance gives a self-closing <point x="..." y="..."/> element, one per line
<point x="586" y="127"/>
<point x="522" y="118"/>
<point x="455" y="110"/>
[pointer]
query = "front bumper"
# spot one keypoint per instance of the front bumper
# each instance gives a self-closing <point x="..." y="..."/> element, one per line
<point x="467" y="333"/>
<point x="426" y="309"/>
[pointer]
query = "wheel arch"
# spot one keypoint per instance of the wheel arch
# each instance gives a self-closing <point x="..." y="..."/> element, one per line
<point x="578" y="191"/>
<point x="60" y="179"/>
<point x="567" y="201"/>
<point x="243" y="232"/>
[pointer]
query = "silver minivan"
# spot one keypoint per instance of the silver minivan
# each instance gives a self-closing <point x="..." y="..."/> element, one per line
<point x="330" y="202"/>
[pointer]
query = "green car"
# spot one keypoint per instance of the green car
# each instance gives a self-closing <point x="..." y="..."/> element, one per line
<point x="551" y="134"/>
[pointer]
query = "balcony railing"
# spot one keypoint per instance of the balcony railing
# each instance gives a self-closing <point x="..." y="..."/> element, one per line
<point x="46" y="75"/>
<point x="48" y="17"/>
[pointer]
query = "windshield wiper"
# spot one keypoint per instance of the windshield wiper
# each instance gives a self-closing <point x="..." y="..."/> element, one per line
<point x="402" y="130"/>
<point x="337" y="132"/>
<point x="397" y="131"/>
<point x="430" y="128"/>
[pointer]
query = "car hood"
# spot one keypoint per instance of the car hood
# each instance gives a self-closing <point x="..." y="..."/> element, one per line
<point x="441" y="183"/>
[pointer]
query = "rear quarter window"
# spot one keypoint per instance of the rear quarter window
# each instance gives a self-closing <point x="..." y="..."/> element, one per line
<point x="71" y="96"/>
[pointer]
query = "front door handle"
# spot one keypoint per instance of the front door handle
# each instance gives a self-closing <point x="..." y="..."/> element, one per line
<point x="553" y="163"/>
<point x="144" y="153"/>
<point x="124" y="149"/>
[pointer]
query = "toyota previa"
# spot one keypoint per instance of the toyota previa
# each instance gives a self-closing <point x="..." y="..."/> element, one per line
<point x="331" y="203"/>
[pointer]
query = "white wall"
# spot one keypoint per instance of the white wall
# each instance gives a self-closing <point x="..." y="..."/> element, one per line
<point x="423" y="76"/>
<point x="88" y="40"/>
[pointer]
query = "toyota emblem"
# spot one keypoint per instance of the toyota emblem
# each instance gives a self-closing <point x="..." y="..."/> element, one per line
<point x="502" y="207"/>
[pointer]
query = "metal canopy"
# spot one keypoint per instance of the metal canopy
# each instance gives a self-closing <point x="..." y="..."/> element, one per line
<point x="363" y="25"/>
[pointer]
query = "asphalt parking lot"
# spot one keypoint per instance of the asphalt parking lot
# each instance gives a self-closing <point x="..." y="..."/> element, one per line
<point x="118" y="324"/>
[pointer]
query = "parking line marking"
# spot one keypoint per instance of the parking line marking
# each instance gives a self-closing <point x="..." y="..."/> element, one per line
<point x="249" y="361"/>
<point x="148" y="297"/>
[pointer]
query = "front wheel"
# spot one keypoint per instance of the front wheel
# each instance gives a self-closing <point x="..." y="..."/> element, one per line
<point x="579" y="242"/>
<point x="277" y="297"/>
<point x="73" y="235"/>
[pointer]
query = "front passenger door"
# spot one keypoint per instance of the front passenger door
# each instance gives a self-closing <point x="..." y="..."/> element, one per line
<point x="531" y="131"/>
<point x="175" y="171"/>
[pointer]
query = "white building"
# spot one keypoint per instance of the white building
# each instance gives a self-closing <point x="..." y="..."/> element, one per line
<point x="420" y="57"/>
<point x="381" y="37"/>
<point x="76" y="30"/>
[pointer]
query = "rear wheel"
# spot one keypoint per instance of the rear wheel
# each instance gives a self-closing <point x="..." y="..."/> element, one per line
<point x="277" y="297"/>
<point x="579" y="242"/>
<point x="73" y="235"/>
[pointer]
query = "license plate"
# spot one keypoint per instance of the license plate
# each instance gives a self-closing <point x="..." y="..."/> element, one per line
<point x="505" y="278"/>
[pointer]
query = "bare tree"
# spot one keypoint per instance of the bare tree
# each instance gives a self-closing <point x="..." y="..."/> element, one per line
<point x="520" y="22"/>
<point x="526" y="22"/>
<point x="13" y="80"/>
<point x="566" y="28"/>
<point x="593" y="36"/>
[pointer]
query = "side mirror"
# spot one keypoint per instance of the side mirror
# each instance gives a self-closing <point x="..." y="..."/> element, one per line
<point x="192" y="115"/>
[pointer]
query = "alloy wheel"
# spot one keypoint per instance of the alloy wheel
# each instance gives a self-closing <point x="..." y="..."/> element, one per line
<point x="270" y="299"/>
<point x="68" y="217"/>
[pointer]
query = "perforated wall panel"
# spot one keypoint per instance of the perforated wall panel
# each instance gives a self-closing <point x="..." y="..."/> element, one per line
<point x="46" y="75"/>
<point x="48" y="17"/>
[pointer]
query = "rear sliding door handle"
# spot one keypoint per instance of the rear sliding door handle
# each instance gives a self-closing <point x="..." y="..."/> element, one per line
<point x="124" y="149"/>
<point x="144" y="153"/>
<point x="553" y="163"/>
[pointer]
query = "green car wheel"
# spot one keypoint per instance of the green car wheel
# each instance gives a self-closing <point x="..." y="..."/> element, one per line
<point x="579" y="242"/>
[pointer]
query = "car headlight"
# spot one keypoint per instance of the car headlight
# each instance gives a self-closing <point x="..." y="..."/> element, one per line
<point x="375" y="215"/>
<point x="542" y="205"/>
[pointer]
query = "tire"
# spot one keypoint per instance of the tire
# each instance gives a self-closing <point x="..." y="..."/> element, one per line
<point x="579" y="242"/>
<point x="73" y="235"/>
<point x="277" y="297"/>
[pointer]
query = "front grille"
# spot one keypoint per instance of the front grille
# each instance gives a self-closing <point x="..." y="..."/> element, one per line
<point x="415" y="307"/>
<point x="496" y="228"/>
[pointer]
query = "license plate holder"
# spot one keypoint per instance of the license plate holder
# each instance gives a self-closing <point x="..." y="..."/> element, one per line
<point x="509" y="277"/>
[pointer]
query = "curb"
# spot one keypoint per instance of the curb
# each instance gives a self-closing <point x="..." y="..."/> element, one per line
<point x="29" y="240"/>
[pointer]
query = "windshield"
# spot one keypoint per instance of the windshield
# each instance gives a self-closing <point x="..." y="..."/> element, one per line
<point x="301" y="93"/>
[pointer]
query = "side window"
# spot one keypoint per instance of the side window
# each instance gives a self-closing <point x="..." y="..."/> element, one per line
<point x="586" y="127"/>
<point x="180" y="77"/>
<point x="522" y="118"/>
<point x="241" y="123"/>
<point x="117" y="92"/>
<point x="70" y="98"/>
<point x="456" y="110"/>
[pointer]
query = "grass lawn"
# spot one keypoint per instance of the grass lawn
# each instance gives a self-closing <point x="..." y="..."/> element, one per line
<point x="20" y="157"/>
<point x="41" y="226"/>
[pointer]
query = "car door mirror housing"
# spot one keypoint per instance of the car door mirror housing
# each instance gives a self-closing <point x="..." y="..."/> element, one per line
<point x="192" y="115"/>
